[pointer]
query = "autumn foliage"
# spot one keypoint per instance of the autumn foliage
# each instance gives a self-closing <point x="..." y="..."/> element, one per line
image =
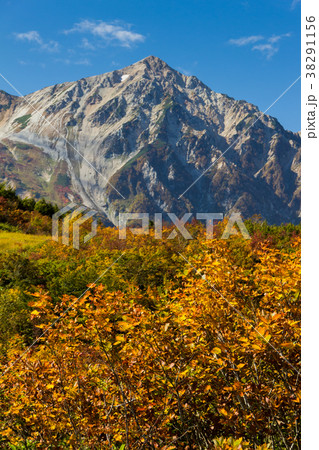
<point x="28" y="215"/>
<point x="179" y="345"/>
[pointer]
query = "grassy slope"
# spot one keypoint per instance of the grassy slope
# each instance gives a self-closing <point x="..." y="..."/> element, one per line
<point x="19" y="241"/>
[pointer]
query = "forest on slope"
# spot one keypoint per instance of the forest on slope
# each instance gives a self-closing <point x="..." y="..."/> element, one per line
<point x="147" y="343"/>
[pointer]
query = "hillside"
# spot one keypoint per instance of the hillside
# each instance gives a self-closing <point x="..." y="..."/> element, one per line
<point x="171" y="344"/>
<point x="150" y="132"/>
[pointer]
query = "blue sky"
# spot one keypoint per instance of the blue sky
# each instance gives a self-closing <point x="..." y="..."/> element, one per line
<point x="247" y="49"/>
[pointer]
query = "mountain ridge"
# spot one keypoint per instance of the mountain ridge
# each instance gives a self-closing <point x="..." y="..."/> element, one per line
<point x="149" y="131"/>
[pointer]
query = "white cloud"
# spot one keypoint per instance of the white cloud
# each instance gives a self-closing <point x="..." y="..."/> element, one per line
<point x="240" y="42"/>
<point x="267" y="49"/>
<point x="267" y="46"/>
<point x="34" y="37"/>
<point x="108" y="32"/>
<point x="30" y="36"/>
<point x="184" y="71"/>
<point x="51" y="46"/>
<point x="86" y="44"/>
<point x="69" y="62"/>
<point x="274" y="39"/>
<point x="82" y="62"/>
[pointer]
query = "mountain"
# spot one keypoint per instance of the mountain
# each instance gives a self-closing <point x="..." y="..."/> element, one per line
<point x="150" y="132"/>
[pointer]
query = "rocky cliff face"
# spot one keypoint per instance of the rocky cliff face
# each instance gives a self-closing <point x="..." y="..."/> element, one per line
<point x="149" y="131"/>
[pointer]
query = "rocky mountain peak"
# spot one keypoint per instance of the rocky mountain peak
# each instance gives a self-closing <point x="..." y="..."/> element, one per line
<point x="149" y="131"/>
<point x="154" y="63"/>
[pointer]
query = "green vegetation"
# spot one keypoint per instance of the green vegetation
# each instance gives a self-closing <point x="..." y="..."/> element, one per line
<point x="135" y="158"/>
<point x="63" y="179"/>
<point x="14" y="241"/>
<point x="26" y="215"/>
<point x="166" y="105"/>
<point x="23" y="120"/>
<point x="21" y="146"/>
